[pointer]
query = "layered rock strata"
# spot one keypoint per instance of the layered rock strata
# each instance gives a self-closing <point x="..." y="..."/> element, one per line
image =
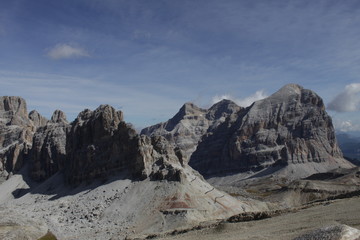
<point x="187" y="127"/>
<point x="290" y="127"/>
<point x="98" y="144"/>
<point x="16" y="132"/>
<point x="49" y="147"/>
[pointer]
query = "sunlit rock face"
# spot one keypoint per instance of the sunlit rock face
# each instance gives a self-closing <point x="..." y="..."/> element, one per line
<point x="48" y="154"/>
<point x="187" y="127"/>
<point x="289" y="127"/>
<point x="16" y="132"/>
<point x="100" y="143"/>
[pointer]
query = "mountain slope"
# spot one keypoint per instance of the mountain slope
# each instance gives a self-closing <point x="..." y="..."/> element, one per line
<point x="288" y="130"/>
<point x="188" y="126"/>
<point x="289" y="133"/>
<point x="95" y="178"/>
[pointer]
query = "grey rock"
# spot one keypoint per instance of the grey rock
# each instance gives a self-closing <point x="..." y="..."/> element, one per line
<point x="13" y="111"/>
<point x="335" y="232"/>
<point x="289" y="127"/>
<point x="188" y="126"/>
<point x="48" y="150"/>
<point x="37" y="119"/>
<point x="100" y="143"/>
<point x="16" y="131"/>
<point x="59" y="117"/>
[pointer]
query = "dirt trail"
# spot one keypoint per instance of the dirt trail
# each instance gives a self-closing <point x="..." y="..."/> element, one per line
<point x="284" y="227"/>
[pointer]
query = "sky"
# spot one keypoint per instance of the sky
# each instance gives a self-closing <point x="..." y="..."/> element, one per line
<point x="147" y="58"/>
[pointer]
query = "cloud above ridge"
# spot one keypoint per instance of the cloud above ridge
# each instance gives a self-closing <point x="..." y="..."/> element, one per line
<point x="348" y="100"/>
<point x="243" y="102"/>
<point x="65" y="51"/>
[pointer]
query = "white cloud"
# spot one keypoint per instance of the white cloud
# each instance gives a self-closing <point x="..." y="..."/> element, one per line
<point x="62" y="50"/>
<point x="346" y="126"/>
<point x="243" y="102"/>
<point x="348" y="100"/>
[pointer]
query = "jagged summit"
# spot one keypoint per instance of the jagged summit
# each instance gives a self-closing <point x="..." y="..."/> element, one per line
<point x="58" y="116"/>
<point x="97" y="177"/>
<point x="188" y="110"/>
<point x="13" y="111"/>
<point x="37" y="119"/>
<point x="14" y="104"/>
<point x="146" y="187"/>
<point x="222" y="108"/>
<point x="289" y="89"/>
<point x="187" y="127"/>
<point x="290" y="127"/>
<point x="16" y="131"/>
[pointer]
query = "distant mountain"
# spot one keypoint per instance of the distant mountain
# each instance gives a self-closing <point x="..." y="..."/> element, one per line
<point x="17" y="128"/>
<point x="289" y="133"/>
<point x="97" y="177"/>
<point x="349" y="144"/>
<point x="190" y="124"/>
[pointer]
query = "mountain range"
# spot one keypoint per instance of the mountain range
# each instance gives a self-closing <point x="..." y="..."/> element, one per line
<point x="97" y="178"/>
<point x="350" y="146"/>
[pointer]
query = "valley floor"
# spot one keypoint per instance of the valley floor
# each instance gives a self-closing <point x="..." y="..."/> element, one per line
<point x="286" y="226"/>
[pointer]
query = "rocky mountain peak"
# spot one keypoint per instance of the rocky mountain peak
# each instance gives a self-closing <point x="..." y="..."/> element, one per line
<point x="13" y="104"/>
<point x="289" y="89"/>
<point x="58" y="117"/>
<point x="187" y="127"/>
<point x="105" y="119"/>
<point x="188" y="110"/>
<point x="13" y="111"/>
<point x="37" y="119"/>
<point x="222" y="109"/>
<point x="289" y="127"/>
<point x="16" y="132"/>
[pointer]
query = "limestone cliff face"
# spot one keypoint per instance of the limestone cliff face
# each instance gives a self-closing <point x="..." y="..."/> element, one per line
<point x="49" y="147"/>
<point x="94" y="147"/>
<point x="16" y="131"/>
<point x="289" y="127"/>
<point x="59" y="117"/>
<point x="13" y="111"/>
<point x="187" y="127"/>
<point x="100" y="143"/>
<point x="37" y="119"/>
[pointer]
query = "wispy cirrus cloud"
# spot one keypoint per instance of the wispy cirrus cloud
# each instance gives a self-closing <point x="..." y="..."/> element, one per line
<point x="47" y="92"/>
<point x="346" y="125"/>
<point x="243" y="102"/>
<point x="348" y="100"/>
<point x="64" y="51"/>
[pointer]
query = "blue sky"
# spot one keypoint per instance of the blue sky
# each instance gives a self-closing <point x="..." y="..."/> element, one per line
<point x="147" y="58"/>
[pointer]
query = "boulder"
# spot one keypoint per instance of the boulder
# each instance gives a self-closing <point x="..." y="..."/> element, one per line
<point x="334" y="232"/>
